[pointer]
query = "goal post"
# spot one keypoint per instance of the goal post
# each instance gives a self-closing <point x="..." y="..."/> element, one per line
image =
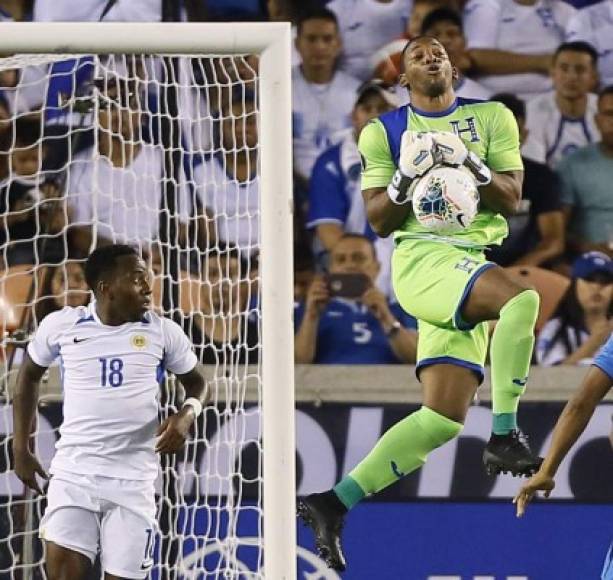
<point x="271" y="41"/>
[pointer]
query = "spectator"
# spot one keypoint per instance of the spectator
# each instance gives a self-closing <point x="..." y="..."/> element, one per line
<point x="115" y="188"/>
<point x="63" y="285"/>
<point x="227" y="184"/>
<point x="32" y="211"/>
<point x="335" y="199"/>
<point x="561" y="121"/>
<point x="445" y="25"/>
<point x="583" y="323"/>
<point x="536" y="231"/>
<point x="98" y="10"/>
<point x="364" y="330"/>
<point x="594" y="24"/>
<point x="386" y="62"/>
<point x="322" y="97"/>
<point x="511" y="42"/>
<point x="365" y="26"/>
<point x="586" y="178"/>
<point x="223" y="331"/>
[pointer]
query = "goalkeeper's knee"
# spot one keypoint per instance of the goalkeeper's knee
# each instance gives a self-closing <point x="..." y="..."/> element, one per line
<point x="439" y="428"/>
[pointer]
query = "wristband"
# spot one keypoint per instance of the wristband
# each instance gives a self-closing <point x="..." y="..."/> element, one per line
<point x="398" y="188"/>
<point x="480" y="170"/>
<point x="194" y="404"/>
<point x="394" y="328"/>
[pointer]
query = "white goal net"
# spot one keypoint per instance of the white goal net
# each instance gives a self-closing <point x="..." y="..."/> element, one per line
<point x="165" y="152"/>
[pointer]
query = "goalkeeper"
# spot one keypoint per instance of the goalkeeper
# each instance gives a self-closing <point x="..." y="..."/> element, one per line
<point x="444" y="282"/>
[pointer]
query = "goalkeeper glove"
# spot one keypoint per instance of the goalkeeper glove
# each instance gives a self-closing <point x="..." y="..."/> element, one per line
<point x="417" y="155"/>
<point x="453" y="152"/>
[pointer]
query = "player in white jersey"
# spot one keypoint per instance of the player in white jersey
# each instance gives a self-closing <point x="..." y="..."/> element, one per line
<point x="113" y="354"/>
<point x="511" y="42"/>
<point x="594" y="24"/>
<point x="562" y="121"/>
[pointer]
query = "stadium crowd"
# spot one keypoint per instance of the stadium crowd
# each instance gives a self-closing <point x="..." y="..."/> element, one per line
<point x="549" y="61"/>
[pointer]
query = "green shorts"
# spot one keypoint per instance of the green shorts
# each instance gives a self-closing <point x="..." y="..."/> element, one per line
<point x="432" y="280"/>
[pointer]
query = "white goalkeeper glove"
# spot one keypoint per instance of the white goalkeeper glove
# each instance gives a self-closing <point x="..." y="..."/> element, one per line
<point x="417" y="155"/>
<point x="453" y="152"/>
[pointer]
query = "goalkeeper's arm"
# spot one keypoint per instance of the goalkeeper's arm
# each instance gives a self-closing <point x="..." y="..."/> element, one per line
<point x="503" y="193"/>
<point x="388" y="207"/>
<point x="500" y="192"/>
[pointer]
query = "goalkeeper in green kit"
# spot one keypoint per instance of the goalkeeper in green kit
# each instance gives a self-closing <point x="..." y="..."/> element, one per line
<point x="444" y="281"/>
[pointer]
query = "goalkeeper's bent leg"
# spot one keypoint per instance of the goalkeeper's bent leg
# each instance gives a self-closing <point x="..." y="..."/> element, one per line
<point x="402" y="449"/>
<point x="511" y="351"/>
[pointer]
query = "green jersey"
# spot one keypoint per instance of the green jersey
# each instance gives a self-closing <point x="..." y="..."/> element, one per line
<point x="487" y="128"/>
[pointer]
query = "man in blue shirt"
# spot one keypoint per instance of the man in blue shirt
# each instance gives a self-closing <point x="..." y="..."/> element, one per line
<point x="367" y="330"/>
<point x="335" y="198"/>
<point x="569" y="427"/>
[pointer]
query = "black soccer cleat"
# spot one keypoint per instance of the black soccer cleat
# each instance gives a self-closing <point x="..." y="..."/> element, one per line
<point x="510" y="453"/>
<point x="327" y="524"/>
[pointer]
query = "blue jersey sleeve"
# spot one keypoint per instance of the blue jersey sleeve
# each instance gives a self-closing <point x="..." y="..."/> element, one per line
<point x="327" y="198"/>
<point x="604" y="359"/>
<point x="403" y="317"/>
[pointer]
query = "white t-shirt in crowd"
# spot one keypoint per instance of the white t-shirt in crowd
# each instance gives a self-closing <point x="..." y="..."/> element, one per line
<point x="234" y="204"/>
<point x="319" y="114"/>
<point x="92" y="10"/>
<point x="509" y="26"/>
<point x="594" y="24"/>
<point x="365" y="26"/>
<point x="110" y="380"/>
<point x="29" y="94"/>
<point x="551" y="351"/>
<point x="121" y="203"/>
<point x="552" y="136"/>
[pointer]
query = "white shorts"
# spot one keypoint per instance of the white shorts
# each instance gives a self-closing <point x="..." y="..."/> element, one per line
<point x="91" y="513"/>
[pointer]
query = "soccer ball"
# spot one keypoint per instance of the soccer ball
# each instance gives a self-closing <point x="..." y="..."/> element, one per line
<point x="446" y="200"/>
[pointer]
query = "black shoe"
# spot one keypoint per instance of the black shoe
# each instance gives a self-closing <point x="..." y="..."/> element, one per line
<point x="318" y="512"/>
<point x="510" y="453"/>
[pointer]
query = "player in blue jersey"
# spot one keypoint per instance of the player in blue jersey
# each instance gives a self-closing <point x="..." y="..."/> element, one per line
<point x="113" y="354"/>
<point x="572" y="422"/>
<point x="570" y="425"/>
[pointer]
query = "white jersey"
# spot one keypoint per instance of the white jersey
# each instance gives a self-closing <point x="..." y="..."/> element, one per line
<point x="92" y="10"/>
<point x="28" y="95"/>
<point x="594" y="24"/>
<point x="319" y="114"/>
<point x="365" y="26"/>
<point x="552" y="136"/>
<point x="121" y="203"/>
<point x="509" y="26"/>
<point x="550" y="353"/>
<point x="235" y="205"/>
<point x="110" y="378"/>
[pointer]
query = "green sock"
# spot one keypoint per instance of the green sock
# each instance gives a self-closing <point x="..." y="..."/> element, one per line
<point x="510" y="354"/>
<point x="401" y="450"/>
